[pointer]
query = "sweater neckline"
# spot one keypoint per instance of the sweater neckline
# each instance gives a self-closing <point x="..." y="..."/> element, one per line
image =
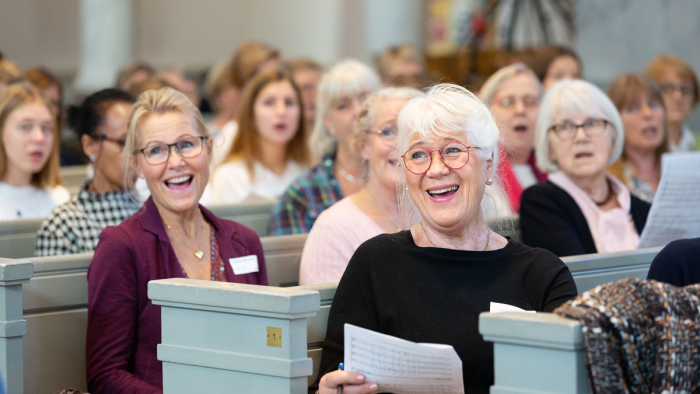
<point x="489" y="254"/>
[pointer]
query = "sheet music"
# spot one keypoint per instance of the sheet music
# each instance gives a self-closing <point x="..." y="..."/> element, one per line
<point x="400" y="366"/>
<point x="497" y="307"/>
<point x="675" y="213"/>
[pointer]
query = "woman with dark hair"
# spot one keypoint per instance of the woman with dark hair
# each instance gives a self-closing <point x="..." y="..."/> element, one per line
<point x="75" y="226"/>
<point x="555" y="63"/>
<point x="270" y="149"/>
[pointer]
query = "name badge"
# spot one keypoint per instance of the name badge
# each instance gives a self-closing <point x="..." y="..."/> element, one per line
<point x="244" y="265"/>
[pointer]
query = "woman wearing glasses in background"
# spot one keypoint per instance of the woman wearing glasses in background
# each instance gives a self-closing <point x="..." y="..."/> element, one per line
<point x="429" y="283"/>
<point x="75" y="226"/>
<point x="581" y="209"/>
<point x="340" y="229"/>
<point x="679" y="86"/>
<point x="172" y="236"/>
<point x="514" y="94"/>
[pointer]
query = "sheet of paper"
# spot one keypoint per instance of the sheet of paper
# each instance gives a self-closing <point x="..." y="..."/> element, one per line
<point x="497" y="307"/>
<point x="675" y="213"/>
<point x="400" y="366"/>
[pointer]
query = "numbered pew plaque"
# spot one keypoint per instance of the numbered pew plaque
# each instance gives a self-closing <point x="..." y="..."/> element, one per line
<point x="274" y="336"/>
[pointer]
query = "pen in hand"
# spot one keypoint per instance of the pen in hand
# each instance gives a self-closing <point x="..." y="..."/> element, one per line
<point x="341" y="367"/>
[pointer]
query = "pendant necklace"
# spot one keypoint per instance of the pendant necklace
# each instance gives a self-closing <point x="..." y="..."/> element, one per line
<point x="349" y="176"/>
<point x="198" y="253"/>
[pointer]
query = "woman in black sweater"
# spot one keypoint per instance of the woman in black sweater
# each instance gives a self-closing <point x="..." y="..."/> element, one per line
<point x="581" y="209"/>
<point x="430" y="282"/>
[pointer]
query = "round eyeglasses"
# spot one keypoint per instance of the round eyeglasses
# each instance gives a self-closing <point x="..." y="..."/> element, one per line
<point x="455" y="155"/>
<point x="160" y="153"/>
<point x="387" y="133"/>
<point x="593" y="128"/>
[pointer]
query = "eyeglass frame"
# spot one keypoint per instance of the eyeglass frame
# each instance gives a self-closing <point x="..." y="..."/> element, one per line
<point x="430" y="154"/>
<point x="671" y="88"/>
<point x="552" y="128"/>
<point x="515" y="100"/>
<point x="385" y="138"/>
<point x="103" y="137"/>
<point x="174" y="144"/>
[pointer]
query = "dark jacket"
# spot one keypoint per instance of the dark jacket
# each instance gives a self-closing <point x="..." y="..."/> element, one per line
<point x="123" y="325"/>
<point x="551" y="219"/>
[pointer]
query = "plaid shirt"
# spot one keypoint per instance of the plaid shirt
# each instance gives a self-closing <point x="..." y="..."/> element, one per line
<point x="75" y="226"/>
<point x="305" y="199"/>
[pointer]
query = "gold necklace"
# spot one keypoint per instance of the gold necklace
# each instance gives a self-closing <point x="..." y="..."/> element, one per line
<point x="198" y="253"/>
<point x="393" y="223"/>
<point x="488" y="237"/>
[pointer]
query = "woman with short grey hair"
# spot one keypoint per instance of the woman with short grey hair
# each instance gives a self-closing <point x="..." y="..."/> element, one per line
<point x="430" y="282"/>
<point x="581" y="208"/>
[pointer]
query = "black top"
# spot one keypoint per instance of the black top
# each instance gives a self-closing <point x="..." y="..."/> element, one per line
<point x="435" y="295"/>
<point x="551" y="219"/>
<point x="677" y="263"/>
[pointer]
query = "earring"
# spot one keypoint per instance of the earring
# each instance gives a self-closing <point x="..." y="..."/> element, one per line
<point x="92" y="158"/>
<point x="489" y="181"/>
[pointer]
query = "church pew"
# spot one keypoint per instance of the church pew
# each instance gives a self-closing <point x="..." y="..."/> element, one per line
<point x="74" y="177"/>
<point x="18" y="237"/>
<point x="52" y="307"/>
<point x="253" y="311"/>
<point x="535" y="353"/>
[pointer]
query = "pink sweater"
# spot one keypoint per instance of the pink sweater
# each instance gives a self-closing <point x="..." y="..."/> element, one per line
<point x="333" y="239"/>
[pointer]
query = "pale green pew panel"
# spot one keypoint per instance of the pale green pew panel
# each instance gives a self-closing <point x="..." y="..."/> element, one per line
<point x="74" y="177"/>
<point x="18" y="238"/>
<point x="283" y="263"/>
<point x="592" y="270"/>
<point x="55" y="307"/>
<point x="256" y="215"/>
<point x="317" y="325"/>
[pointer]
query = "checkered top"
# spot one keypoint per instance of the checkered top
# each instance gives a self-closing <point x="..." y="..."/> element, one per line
<point x="75" y="226"/>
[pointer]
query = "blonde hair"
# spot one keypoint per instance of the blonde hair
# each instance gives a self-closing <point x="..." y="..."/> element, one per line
<point x="659" y="65"/>
<point x="491" y="86"/>
<point x="347" y="78"/>
<point x="365" y="118"/>
<point x="445" y="110"/>
<point x="18" y="95"/>
<point x="158" y="102"/>
<point x="246" y="144"/>
<point x="247" y="61"/>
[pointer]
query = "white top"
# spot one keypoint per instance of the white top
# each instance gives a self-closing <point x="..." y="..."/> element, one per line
<point x="526" y="177"/>
<point x="333" y="239"/>
<point x="222" y="142"/>
<point x="612" y="230"/>
<point x="29" y="202"/>
<point x="687" y="142"/>
<point x="231" y="183"/>
<point x="142" y="191"/>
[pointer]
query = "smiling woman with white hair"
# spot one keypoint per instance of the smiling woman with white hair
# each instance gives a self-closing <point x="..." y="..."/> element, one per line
<point x="429" y="283"/>
<point x="581" y="209"/>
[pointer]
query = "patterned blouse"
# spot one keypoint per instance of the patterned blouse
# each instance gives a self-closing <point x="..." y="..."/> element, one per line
<point x="75" y="226"/>
<point x="638" y="187"/>
<point x="305" y="199"/>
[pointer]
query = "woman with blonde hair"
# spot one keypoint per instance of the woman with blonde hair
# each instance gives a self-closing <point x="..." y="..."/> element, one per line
<point x="643" y="116"/>
<point x="679" y="86"/>
<point x="514" y="95"/>
<point x="373" y="210"/>
<point x="270" y="148"/>
<point x="172" y="236"/>
<point x="30" y="183"/>
<point x="339" y="172"/>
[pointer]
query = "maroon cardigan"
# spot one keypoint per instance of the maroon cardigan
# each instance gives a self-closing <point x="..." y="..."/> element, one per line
<point x="123" y="325"/>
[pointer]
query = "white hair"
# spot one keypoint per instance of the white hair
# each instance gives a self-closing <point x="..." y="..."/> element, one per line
<point x="568" y="96"/>
<point x="491" y="86"/>
<point x="443" y="111"/>
<point x="347" y="78"/>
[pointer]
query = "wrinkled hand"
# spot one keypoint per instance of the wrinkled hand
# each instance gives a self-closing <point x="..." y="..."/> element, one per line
<point x="353" y="383"/>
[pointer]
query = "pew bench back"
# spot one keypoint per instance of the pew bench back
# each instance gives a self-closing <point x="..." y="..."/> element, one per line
<point x="18" y="237"/>
<point x="55" y="309"/>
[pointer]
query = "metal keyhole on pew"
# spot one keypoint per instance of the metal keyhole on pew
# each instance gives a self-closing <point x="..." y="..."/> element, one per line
<point x="274" y="336"/>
